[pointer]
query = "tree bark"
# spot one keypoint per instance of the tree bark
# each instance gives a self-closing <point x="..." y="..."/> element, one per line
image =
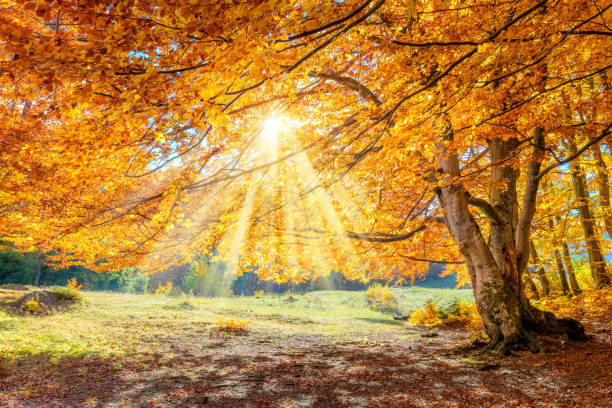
<point x="544" y="284"/>
<point x="603" y="185"/>
<point x="530" y="286"/>
<point x="597" y="263"/>
<point x="570" y="269"/>
<point x="561" y="271"/>
<point x="495" y="267"/>
<point x="603" y="180"/>
<point x="559" y="262"/>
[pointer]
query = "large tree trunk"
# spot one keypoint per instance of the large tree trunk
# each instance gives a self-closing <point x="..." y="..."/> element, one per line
<point x="597" y="263"/>
<point x="544" y="284"/>
<point x="495" y="268"/>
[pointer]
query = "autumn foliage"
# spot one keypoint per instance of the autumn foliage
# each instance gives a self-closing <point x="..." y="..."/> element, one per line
<point x="232" y="326"/>
<point x="370" y="137"/>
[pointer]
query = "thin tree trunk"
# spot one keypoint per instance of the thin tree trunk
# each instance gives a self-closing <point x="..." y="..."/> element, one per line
<point x="561" y="271"/>
<point x="597" y="263"/>
<point x="603" y="181"/>
<point x="530" y="286"/>
<point x="37" y="276"/>
<point x="570" y="269"/>
<point x="559" y="262"/>
<point x="544" y="284"/>
<point x="603" y="185"/>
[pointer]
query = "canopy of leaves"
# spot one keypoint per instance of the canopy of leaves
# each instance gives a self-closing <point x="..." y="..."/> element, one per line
<point x="302" y="136"/>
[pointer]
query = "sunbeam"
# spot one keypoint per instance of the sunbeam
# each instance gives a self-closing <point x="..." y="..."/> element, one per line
<point x="240" y="230"/>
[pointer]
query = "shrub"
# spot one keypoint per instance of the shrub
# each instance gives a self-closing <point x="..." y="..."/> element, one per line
<point x="32" y="306"/>
<point x="164" y="289"/>
<point x="232" y="326"/>
<point x="258" y="293"/>
<point x="73" y="284"/>
<point x="69" y="295"/>
<point x="427" y="316"/>
<point x="458" y="314"/>
<point x="380" y="298"/>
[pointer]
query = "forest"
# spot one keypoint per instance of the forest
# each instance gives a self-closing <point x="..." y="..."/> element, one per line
<point x="254" y="171"/>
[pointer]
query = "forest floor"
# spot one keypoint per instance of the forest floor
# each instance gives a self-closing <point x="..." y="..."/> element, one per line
<point x="324" y="349"/>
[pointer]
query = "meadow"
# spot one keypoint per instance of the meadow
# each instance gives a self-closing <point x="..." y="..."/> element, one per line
<point x="324" y="348"/>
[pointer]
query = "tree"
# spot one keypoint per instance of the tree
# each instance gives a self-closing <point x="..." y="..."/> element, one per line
<point x="597" y="263"/>
<point x="399" y="133"/>
<point x="18" y="268"/>
<point x="544" y="284"/>
<point x="567" y="258"/>
<point x="559" y="261"/>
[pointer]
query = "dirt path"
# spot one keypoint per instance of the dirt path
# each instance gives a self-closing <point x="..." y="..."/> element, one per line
<point x="193" y="369"/>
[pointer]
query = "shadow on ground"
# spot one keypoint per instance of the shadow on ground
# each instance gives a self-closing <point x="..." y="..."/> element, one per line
<point x="310" y="371"/>
<point x="43" y="380"/>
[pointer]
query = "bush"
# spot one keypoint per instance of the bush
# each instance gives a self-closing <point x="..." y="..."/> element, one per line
<point x="458" y="314"/>
<point x="73" y="284"/>
<point x="428" y="316"/>
<point x="232" y="326"/>
<point x="164" y="289"/>
<point x="381" y="299"/>
<point x="258" y="294"/>
<point x="32" y="306"/>
<point x="69" y="295"/>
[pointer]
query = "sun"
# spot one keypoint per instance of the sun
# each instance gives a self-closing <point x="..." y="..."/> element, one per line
<point x="273" y="125"/>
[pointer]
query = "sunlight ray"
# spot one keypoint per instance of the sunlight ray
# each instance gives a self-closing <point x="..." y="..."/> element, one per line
<point x="239" y="232"/>
<point x="330" y="215"/>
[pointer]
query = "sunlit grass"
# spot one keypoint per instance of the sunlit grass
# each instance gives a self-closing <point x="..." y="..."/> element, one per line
<point x="111" y="324"/>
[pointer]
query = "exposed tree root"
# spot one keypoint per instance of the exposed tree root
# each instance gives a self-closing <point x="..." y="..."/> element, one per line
<point x="546" y="323"/>
<point x="510" y="345"/>
<point x="536" y="323"/>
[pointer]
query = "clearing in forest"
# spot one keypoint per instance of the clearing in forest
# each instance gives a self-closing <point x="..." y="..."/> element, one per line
<point x="322" y="349"/>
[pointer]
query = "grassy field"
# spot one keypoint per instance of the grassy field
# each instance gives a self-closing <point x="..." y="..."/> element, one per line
<point x="322" y="349"/>
<point x="112" y="324"/>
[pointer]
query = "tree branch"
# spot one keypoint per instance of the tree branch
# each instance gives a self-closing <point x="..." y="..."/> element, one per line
<point x="583" y="149"/>
<point x="330" y="24"/>
<point x="436" y="261"/>
<point x="352" y="84"/>
<point x="383" y="238"/>
<point x="485" y="206"/>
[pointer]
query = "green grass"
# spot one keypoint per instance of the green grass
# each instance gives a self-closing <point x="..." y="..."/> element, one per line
<point x="111" y="324"/>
